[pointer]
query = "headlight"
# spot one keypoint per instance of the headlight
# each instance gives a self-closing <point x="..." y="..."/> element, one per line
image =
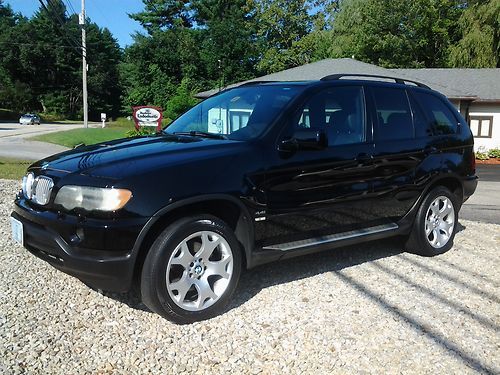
<point x="92" y="198"/>
<point x="28" y="185"/>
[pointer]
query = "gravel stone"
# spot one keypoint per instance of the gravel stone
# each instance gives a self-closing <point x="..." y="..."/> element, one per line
<point x="369" y="308"/>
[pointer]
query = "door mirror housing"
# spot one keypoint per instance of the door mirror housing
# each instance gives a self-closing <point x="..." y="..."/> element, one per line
<point x="305" y="139"/>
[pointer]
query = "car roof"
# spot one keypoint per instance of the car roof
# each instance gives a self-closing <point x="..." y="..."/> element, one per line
<point x="339" y="80"/>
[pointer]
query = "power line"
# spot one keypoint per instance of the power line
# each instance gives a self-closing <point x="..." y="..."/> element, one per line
<point x="60" y="26"/>
<point x="69" y="5"/>
<point x="52" y="45"/>
<point x="44" y="44"/>
<point x="57" y="27"/>
<point x="101" y="13"/>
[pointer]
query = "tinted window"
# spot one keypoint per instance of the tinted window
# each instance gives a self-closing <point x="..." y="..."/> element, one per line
<point x="242" y="113"/>
<point x="423" y="127"/>
<point x="393" y="114"/>
<point x="440" y="116"/>
<point x="339" y="111"/>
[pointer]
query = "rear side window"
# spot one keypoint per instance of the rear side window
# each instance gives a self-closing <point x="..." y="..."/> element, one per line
<point x="438" y="114"/>
<point x="393" y="114"/>
<point x="423" y="127"/>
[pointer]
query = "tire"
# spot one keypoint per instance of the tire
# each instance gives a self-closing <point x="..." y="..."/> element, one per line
<point x="435" y="225"/>
<point x="174" y="271"/>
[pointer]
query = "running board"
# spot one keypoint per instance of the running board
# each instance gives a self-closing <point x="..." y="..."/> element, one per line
<point x="310" y="242"/>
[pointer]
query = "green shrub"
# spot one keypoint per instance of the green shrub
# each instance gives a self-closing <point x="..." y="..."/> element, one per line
<point x="482" y="155"/>
<point x="51" y="117"/>
<point x="494" y="153"/>
<point x="143" y="130"/>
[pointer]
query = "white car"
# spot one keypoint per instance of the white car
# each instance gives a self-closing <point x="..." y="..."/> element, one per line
<point x="29" y="119"/>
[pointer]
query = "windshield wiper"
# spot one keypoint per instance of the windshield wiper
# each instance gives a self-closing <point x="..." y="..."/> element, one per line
<point x="197" y="133"/>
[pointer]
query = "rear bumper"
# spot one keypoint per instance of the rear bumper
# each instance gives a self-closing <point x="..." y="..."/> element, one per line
<point x="469" y="185"/>
<point x="109" y="270"/>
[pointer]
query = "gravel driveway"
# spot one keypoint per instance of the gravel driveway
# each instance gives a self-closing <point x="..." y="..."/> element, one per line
<point x="369" y="309"/>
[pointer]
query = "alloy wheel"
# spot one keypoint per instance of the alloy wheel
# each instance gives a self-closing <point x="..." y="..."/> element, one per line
<point x="439" y="221"/>
<point x="199" y="270"/>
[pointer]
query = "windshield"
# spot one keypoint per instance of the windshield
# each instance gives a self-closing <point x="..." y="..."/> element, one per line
<point x="240" y="114"/>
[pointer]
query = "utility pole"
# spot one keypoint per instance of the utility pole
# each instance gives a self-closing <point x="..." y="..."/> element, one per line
<point x="84" y="68"/>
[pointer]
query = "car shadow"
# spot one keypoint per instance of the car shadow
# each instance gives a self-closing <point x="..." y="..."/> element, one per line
<point x="254" y="280"/>
<point x="285" y="271"/>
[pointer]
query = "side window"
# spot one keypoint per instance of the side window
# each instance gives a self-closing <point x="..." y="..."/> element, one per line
<point x="440" y="116"/>
<point x="340" y="111"/>
<point x="393" y="113"/>
<point x="423" y="128"/>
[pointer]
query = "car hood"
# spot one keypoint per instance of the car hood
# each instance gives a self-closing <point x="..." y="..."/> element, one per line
<point x="133" y="156"/>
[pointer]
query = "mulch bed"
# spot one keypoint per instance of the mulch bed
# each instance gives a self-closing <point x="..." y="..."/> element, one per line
<point x="491" y="161"/>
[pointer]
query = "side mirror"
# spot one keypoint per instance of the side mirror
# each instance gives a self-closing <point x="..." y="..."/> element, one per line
<point x="305" y="139"/>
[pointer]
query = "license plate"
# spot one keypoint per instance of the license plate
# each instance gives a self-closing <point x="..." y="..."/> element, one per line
<point x="17" y="230"/>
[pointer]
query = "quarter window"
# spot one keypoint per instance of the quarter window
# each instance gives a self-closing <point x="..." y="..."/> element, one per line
<point x="393" y="114"/>
<point x="438" y="114"/>
<point x="339" y="111"/>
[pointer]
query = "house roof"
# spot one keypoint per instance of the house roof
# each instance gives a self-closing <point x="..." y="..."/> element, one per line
<point x="482" y="84"/>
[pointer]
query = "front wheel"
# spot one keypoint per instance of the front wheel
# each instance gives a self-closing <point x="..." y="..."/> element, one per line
<point x="191" y="270"/>
<point x="435" y="224"/>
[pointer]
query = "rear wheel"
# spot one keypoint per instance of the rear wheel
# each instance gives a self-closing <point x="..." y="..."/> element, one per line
<point x="191" y="270"/>
<point x="435" y="224"/>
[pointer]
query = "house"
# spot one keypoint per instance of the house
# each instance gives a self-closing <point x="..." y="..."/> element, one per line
<point x="474" y="92"/>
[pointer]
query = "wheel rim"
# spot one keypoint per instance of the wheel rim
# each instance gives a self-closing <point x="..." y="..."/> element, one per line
<point x="439" y="222"/>
<point x="199" y="270"/>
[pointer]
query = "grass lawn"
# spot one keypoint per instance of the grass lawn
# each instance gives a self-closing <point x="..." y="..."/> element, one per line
<point x="13" y="169"/>
<point x="71" y="138"/>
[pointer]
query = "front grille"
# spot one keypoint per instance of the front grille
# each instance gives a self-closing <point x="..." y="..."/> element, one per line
<point x="42" y="187"/>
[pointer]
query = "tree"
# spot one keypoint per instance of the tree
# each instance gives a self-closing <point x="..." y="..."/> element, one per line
<point x="397" y="33"/>
<point x="41" y="68"/>
<point x="181" y="100"/>
<point x="292" y="32"/>
<point x="480" y="34"/>
<point x="227" y="47"/>
<point x="164" y="14"/>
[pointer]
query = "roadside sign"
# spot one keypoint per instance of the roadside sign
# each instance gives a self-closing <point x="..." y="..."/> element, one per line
<point x="147" y="116"/>
<point x="103" y="119"/>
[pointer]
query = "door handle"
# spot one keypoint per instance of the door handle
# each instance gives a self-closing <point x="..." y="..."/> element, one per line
<point x="430" y="150"/>
<point x="364" y="157"/>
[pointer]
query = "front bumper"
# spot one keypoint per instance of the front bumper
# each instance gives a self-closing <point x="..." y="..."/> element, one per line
<point x="106" y="263"/>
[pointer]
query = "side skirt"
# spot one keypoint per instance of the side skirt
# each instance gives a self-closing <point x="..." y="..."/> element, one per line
<point x="324" y="240"/>
<point x="292" y="249"/>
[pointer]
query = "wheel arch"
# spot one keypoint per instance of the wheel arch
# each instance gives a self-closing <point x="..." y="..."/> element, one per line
<point x="450" y="181"/>
<point x="225" y="207"/>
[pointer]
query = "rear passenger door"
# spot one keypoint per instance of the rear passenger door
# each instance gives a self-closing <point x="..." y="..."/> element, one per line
<point x="401" y="137"/>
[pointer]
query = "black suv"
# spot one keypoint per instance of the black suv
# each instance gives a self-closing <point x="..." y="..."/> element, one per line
<point x="254" y="174"/>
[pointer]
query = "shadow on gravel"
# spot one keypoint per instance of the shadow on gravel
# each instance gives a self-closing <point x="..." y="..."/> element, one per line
<point x="131" y="299"/>
<point x="418" y="325"/>
<point x="254" y="280"/>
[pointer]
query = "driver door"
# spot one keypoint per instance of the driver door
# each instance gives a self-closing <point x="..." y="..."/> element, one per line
<point x="313" y="193"/>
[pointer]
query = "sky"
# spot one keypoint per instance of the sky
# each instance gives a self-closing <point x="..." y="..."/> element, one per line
<point x="106" y="13"/>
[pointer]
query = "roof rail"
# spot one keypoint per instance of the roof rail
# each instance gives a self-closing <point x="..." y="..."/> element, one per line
<point x="403" y="81"/>
<point x="252" y="82"/>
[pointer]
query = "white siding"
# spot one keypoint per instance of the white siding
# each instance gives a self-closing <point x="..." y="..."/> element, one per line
<point x="486" y="109"/>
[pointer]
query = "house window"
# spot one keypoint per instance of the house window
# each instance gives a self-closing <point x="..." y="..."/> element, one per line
<point x="481" y="126"/>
